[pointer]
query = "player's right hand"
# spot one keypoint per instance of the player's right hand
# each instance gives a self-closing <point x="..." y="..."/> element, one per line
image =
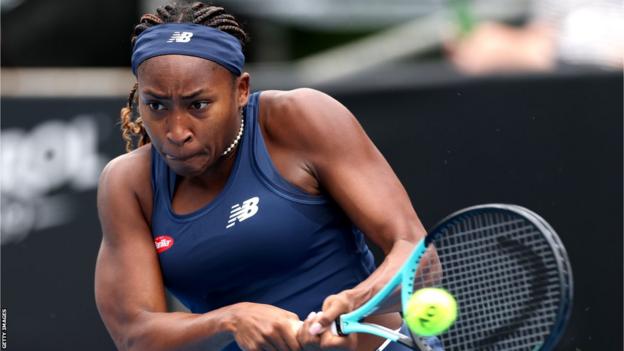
<point x="323" y="340"/>
<point x="260" y="327"/>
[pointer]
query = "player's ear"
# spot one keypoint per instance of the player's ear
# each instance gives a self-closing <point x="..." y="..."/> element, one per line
<point x="242" y="88"/>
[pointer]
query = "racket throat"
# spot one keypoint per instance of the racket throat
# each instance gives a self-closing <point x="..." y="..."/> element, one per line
<point x="414" y="343"/>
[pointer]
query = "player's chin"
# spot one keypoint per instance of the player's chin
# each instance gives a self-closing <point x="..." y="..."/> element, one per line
<point x="190" y="168"/>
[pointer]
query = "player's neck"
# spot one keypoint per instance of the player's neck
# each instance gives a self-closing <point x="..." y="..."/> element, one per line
<point x="216" y="175"/>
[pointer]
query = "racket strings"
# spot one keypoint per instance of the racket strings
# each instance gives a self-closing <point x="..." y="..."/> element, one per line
<point x="504" y="276"/>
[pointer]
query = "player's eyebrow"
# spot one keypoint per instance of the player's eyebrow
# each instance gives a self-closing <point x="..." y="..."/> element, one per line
<point x="160" y="96"/>
<point x="155" y="95"/>
<point x="193" y="94"/>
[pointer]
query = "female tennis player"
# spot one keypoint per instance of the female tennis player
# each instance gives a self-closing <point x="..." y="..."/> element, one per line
<point x="250" y="208"/>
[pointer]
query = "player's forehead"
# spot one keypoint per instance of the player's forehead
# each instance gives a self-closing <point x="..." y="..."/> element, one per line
<point x="181" y="73"/>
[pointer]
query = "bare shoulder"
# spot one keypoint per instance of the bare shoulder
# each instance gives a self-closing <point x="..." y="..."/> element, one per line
<point x="128" y="170"/>
<point x="128" y="175"/>
<point x="304" y="117"/>
<point x="297" y="99"/>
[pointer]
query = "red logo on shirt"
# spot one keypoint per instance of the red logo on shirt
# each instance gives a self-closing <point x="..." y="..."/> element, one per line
<point x="163" y="243"/>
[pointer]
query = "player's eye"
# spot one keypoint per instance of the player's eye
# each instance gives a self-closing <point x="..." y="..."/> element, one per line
<point x="155" y="106"/>
<point x="199" y="105"/>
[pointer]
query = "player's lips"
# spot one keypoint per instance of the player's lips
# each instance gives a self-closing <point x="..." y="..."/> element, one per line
<point x="180" y="157"/>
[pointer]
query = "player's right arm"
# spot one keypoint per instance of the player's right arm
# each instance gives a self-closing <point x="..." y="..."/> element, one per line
<point x="129" y="290"/>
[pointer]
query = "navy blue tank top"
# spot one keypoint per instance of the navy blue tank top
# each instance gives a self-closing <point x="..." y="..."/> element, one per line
<point x="260" y="240"/>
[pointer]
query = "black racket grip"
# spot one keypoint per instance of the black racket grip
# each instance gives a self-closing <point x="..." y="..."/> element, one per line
<point x="335" y="328"/>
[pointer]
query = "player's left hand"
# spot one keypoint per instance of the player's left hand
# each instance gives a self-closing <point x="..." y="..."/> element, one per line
<point x="323" y="338"/>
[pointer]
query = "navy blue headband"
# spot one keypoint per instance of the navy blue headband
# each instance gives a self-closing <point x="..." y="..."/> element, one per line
<point x="190" y="40"/>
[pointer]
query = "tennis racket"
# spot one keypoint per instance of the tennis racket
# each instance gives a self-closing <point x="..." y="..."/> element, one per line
<point x="507" y="270"/>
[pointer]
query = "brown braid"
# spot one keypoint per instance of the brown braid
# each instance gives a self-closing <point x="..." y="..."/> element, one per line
<point x="132" y="130"/>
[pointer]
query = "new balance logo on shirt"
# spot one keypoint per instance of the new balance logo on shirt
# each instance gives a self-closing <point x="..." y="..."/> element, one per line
<point x="180" y="37"/>
<point x="242" y="212"/>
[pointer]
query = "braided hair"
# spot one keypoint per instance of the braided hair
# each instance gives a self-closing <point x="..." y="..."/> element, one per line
<point x="132" y="130"/>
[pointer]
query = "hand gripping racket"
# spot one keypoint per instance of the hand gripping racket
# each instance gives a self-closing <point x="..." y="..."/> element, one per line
<point x="507" y="270"/>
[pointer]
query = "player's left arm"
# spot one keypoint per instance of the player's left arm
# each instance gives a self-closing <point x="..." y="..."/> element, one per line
<point x="349" y="167"/>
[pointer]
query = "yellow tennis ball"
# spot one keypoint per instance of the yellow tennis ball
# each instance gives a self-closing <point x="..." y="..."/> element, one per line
<point x="430" y="311"/>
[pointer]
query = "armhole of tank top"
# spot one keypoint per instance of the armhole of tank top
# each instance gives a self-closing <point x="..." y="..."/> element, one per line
<point x="154" y="177"/>
<point x="265" y="168"/>
<point x="155" y="174"/>
<point x="363" y="251"/>
<point x="163" y="181"/>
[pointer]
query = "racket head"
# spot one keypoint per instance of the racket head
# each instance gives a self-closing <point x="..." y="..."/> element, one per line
<point x="509" y="273"/>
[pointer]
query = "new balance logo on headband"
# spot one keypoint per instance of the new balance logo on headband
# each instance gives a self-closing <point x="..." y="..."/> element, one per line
<point x="180" y="37"/>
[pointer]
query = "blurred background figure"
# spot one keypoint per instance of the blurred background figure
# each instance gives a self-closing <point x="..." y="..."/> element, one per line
<point x="299" y="42"/>
<point x="580" y="32"/>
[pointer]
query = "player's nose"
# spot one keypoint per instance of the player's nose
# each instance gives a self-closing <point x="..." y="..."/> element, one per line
<point x="179" y="134"/>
